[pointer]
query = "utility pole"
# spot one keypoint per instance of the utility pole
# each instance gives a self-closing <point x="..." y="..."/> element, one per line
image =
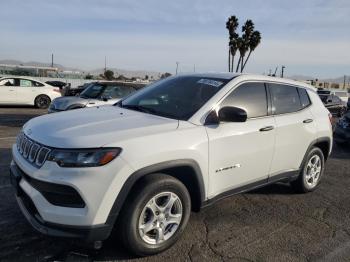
<point x="177" y="67"/>
<point x="194" y="67"/>
<point x="105" y="64"/>
<point x="282" y="72"/>
<point x="344" y="81"/>
<point x="52" y="60"/>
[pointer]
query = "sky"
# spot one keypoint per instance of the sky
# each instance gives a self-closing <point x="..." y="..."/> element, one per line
<point x="309" y="37"/>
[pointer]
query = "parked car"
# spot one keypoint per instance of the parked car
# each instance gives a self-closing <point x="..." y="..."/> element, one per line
<point x="59" y="84"/>
<point x="26" y="91"/>
<point x="334" y="104"/>
<point x="343" y="95"/>
<point x="342" y="130"/>
<point x="176" y="146"/>
<point x="76" y="91"/>
<point x="96" y="94"/>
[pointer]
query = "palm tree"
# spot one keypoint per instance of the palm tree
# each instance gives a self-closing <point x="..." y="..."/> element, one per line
<point x="231" y="25"/>
<point x="249" y="40"/>
<point x="247" y="30"/>
<point x="254" y="41"/>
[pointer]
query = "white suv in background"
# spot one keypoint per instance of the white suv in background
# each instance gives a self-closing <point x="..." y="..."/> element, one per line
<point x="177" y="145"/>
<point x="26" y="91"/>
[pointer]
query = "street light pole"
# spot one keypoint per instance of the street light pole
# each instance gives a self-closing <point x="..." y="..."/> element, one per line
<point x="282" y="73"/>
<point x="177" y="67"/>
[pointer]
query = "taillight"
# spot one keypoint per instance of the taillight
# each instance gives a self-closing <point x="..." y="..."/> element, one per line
<point x="57" y="90"/>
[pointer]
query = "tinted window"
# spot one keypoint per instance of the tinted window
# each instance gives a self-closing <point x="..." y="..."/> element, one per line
<point x="117" y="91"/>
<point x="324" y="98"/>
<point x="93" y="91"/>
<point x="285" y="99"/>
<point x="304" y="97"/>
<point x="336" y="99"/>
<point x="175" y="97"/>
<point x="251" y="97"/>
<point x="34" y="83"/>
<point x="323" y="92"/>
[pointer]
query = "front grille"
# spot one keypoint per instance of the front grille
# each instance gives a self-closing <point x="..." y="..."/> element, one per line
<point x="32" y="151"/>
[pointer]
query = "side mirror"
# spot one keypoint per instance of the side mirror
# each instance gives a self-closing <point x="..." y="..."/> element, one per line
<point x="232" y="114"/>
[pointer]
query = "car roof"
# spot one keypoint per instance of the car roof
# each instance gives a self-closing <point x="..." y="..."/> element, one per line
<point x="244" y="76"/>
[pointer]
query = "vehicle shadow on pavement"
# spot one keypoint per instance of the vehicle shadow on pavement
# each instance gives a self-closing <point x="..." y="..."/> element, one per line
<point x="341" y="151"/>
<point x="16" y="120"/>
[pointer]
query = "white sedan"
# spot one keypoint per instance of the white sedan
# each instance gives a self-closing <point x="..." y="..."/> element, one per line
<point x="26" y="91"/>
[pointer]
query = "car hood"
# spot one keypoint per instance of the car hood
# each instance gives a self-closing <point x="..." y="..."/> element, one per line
<point x="94" y="127"/>
<point x="62" y="103"/>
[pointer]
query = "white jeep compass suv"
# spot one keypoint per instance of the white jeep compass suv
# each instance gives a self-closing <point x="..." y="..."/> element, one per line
<point x="173" y="147"/>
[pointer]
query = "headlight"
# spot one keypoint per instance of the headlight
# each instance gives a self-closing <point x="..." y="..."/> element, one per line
<point x="84" y="157"/>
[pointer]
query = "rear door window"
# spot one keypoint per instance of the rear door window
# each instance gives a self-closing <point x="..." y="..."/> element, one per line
<point x="285" y="99"/>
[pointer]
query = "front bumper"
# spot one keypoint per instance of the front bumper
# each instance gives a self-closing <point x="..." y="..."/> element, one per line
<point x="98" y="188"/>
<point x="29" y="210"/>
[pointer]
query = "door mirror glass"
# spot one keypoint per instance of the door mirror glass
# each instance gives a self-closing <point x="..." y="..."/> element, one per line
<point x="232" y="114"/>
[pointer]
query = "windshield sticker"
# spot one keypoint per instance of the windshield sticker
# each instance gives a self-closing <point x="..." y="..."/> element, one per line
<point x="210" y="82"/>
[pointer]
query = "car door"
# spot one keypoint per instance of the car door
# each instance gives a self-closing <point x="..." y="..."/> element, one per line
<point x="240" y="153"/>
<point x="26" y="91"/>
<point x="7" y="91"/>
<point x="295" y="128"/>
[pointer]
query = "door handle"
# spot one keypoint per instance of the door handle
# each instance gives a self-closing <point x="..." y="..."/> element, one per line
<point x="306" y="121"/>
<point x="11" y="90"/>
<point x="266" y="128"/>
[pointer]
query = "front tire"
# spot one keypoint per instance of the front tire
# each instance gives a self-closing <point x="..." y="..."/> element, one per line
<point x="42" y="101"/>
<point x="155" y="215"/>
<point x="311" y="171"/>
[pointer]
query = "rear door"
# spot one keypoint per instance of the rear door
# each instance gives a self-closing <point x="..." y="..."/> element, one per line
<point x="295" y="127"/>
<point x="7" y="91"/>
<point x="26" y="91"/>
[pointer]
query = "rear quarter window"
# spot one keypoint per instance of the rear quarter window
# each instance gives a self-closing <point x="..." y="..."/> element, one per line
<point x="304" y="97"/>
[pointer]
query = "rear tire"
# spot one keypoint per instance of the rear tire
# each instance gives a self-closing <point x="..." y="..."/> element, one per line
<point x="42" y="101"/>
<point x="311" y="172"/>
<point x="155" y="215"/>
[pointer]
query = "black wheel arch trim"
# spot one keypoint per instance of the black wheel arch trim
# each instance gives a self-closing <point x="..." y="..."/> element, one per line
<point x="312" y="144"/>
<point x="130" y="182"/>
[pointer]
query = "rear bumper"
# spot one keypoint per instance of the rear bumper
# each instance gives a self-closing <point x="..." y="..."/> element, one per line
<point x="29" y="210"/>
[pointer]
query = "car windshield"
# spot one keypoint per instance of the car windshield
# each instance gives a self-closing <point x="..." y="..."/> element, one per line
<point x="175" y="97"/>
<point x="92" y="91"/>
<point x="324" y="98"/>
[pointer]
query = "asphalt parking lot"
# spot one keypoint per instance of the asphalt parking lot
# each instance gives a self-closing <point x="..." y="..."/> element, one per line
<point x="270" y="224"/>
